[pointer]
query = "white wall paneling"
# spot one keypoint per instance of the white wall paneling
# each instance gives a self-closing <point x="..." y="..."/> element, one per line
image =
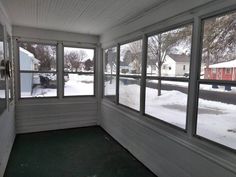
<point x="165" y="154"/>
<point x="34" y="117"/>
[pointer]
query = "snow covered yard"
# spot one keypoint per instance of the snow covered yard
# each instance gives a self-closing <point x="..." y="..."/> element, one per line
<point x="216" y="120"/>
<point x="76" y="85"/>
<point x="79" y="85"/>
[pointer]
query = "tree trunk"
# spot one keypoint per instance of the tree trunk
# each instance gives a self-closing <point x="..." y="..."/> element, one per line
<point x="111" y="74"/>
<point x="159" y="64"/>
<point x="159" y="80"/>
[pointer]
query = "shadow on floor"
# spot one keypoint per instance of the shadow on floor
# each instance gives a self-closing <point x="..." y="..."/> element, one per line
<point x="81" y="152"/>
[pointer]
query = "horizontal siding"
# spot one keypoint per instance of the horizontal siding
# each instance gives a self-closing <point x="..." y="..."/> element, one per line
<point x="158" y="152"/>
<point x="51" y="116"/>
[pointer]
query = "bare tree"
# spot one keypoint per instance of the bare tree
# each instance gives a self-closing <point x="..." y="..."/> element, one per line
<point x="111" y="61"/>
<point x="44" y="53"/>
<point x="219" y="40"/>
<point x="74" y="60"/>
<point x="133" y="55"/>
<point x="71" y="60"/>
<point x="160" y="45"/>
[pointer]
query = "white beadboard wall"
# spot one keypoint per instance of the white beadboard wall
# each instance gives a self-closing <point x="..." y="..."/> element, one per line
<point x="55" y="115"/>
<point x="161" y="154"/>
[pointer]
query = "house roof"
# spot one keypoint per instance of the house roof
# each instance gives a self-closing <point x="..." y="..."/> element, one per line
<point x="35" y="60"/>
<point x="227" y="64"/>
<point x="180" y="57"/>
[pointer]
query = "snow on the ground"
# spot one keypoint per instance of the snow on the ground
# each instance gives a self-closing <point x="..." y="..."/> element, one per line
<point x="129" y="95"/>
<point x="2" y="93"/>
<point x="40" y="92"/>
<point x="79" y="85"/>
<point x="202" y="86"/>
<point x="216" y="120"/>
<point x="110" y="87"/>
<point x="170" y="106"/>
<point x="76" y="85"/>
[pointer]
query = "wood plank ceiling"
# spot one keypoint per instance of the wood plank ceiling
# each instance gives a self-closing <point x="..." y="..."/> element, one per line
<point x="83" y="16"/>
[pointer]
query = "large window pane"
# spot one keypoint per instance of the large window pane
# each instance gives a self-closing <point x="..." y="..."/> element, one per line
<point x="77" y="85"/>
<point x="168" y="103"/>
<point x="110" y="65"/>
<point x="37" y="57"/>
<point x="38" y="85"/>
<point x="78" y="59"/>
<point x="169" y="53"/>
<point x="216" y="113"/>
<point x="129" y="92"/>
<point x="130" y="58"/>
<point x="219" y="46"/>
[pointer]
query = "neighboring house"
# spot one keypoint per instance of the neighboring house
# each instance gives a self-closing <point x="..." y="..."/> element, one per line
<point x="27" y="63"/>
<point x="221" y="71"/>
<point x="124" y="68"/>
<point x="174" y="65"/>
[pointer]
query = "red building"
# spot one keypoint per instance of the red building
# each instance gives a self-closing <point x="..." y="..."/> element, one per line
<point x="221" y="71"/>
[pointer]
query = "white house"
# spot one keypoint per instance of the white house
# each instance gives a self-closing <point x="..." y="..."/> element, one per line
<point x="174" y="65"/>
<point x="28" y="63"/>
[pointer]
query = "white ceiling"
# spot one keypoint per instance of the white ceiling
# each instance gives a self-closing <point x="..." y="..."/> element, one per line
<point x="82" y="16"/>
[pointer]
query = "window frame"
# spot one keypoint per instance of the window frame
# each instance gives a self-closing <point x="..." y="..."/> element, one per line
<point x="11" y="79"/>
<point x="80" y="73"/>
<point x="19" y="71"/>
<point x="174" y="79"/>
<point x="127" y="75"/>
<point x="200" y="81"/>
<point x="108" y="97"/>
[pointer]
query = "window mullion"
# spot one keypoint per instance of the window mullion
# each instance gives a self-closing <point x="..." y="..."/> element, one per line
<point x="143" y="75"/>
<point x="117" y="73"/>
<point x="194" y="74"/>
<point x="60" y="70"/>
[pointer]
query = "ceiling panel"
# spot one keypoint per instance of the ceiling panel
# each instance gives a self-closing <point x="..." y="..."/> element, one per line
<point x="84" y="16"/>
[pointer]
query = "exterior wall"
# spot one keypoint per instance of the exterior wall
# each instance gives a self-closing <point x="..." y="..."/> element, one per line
<point x="234" y="74"/>
<point x="26" y="78"/>
<point x="169" y="67"/>
<point x="26" y="83"/>
<point x="27" y="61"/>
<point x="219" y="74"/>
<point x="179" y="68"/>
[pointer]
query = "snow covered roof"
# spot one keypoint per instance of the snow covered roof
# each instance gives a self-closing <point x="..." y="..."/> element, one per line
<point x="180" y="57"/>
<point x="26" y="52"/>
<point x="227" y="64"/>
<point x="35" y="60"/>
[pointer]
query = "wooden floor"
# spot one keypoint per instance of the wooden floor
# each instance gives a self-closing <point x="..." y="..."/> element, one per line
<point x="82" y="152"/>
